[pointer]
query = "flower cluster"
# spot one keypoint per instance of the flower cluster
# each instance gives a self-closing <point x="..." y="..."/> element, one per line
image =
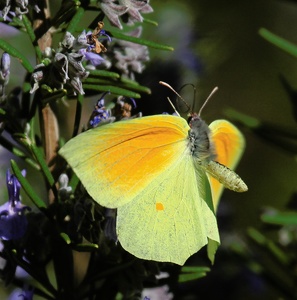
<point x="127" y="57"/>
<point x="64" y="69"/>
<point x="129" y="10"/>
<point x="16" y="8"/>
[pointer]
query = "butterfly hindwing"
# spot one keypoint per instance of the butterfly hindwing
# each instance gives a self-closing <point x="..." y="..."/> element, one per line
<point x="229" y="143"/>
<point x="183" y="224"/>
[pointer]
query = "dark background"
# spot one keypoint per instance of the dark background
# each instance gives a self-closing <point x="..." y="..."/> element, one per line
<point x="217" y="44"/>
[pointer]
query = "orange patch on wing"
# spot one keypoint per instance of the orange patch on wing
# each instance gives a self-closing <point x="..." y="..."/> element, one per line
<point x="159" y="206"/>
<point x="116" y="162"/>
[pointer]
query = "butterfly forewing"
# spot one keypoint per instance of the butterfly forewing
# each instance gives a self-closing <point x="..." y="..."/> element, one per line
<point x="117" y="161"/>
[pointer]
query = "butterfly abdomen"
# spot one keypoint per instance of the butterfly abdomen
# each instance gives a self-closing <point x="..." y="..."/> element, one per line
<point x="226" y="176"/>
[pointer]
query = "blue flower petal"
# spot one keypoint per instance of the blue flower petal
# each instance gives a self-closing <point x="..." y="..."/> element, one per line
<point x="13" y="222"/>
<point x="94" y="58"/>
<point x="13" y="227"/>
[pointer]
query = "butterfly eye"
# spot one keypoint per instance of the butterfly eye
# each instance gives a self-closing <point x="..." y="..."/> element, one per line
<point x="193" y="117"/>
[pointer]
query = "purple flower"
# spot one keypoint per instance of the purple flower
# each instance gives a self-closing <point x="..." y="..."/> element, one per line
<point x="94" y="58"/>
<point x="25" y="294"/>
<point x="128" y="57"/>
<point x="100" y="114"/>
<point x="13" y="222"/>
<point x="94" y="44"/>
<point x="112" y="11"/>
<point x="17" y="8"/>
<point x="133" y="8"/>
<point x="66" y="66"/>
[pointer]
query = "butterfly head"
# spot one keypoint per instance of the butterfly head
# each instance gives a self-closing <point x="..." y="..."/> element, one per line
<point x="194" y="120"/>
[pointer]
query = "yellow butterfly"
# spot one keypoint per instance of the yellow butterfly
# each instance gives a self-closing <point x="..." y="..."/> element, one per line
<point x="153" y="170"/>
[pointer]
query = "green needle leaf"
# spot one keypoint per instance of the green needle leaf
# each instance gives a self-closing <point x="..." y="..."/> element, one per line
<point x="74" y="181"/>
<point x="112" y="89"/>
<point x="130" y="85"/>
<point x="17" y="54"/>
<point x="75" y="20"/>
<point x="280" y="218"/>
<point x="36" y="273"/>
<point x="40" y="159"/>
<point x="247" y="120"/>
<point x="85" y="247"/>
<point x="103" y="73"/>
<point x="54" y="95"/>
<point x="26" y="186"/>
<point x="32" y="36"/>
<point x="136" y="40"/>
<point x="65" y="237"/>
<point x="78" y="247"/>
<point x="79" y="105"/>
<point x="279" y="42"/>
<point x="192" y="273"/>
<point x="133" y="85"/>
<point x="189" y="273"/>
<point x="25" y="140"/>
<point x="261" y="240"/>
<point x="149" y="21"/>
<point x="192" y="269"/>
<point x="18" y="152"/>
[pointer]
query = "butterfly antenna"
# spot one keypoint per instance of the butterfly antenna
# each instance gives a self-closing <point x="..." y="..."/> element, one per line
<point x="208" y="98"/>
<point x="194" y="93"/>
<point x="173" y="106"/>
<point x="176" y="93"/>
